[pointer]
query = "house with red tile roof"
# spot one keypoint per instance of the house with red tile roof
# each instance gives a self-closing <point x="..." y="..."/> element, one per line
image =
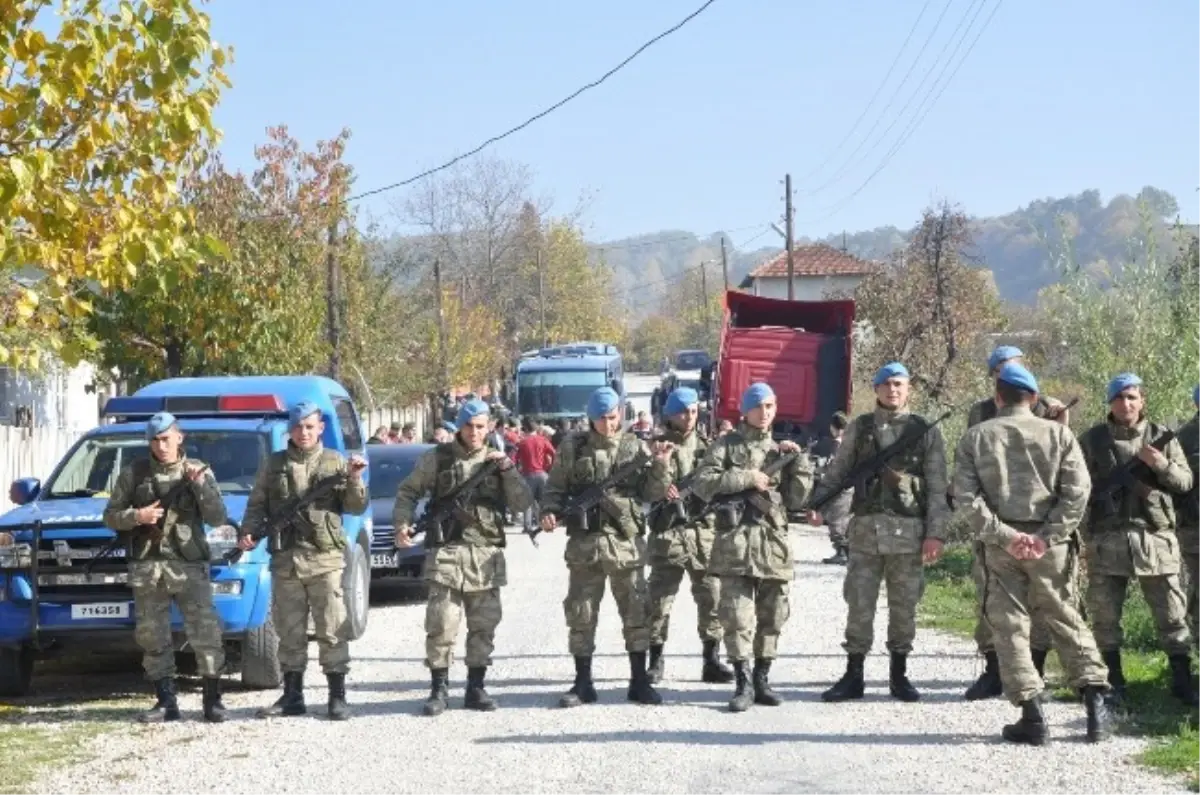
<point x="819" y="269"/>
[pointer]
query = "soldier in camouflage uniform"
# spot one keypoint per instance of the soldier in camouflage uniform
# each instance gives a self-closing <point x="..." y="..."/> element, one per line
<point x="1132" y="534"/>
<point x="988" y="684"/>
<point x="837" y="512"/>
<point x="752" y="553"/>
<point x="679" y="546"/>
<point x="307" y="565"/>
<point x="898" y="525"/>
<point x="169" y="559"/>
<point x="604" y="545"/>
<point x="465" y="567"/>
<point x="1187" y="509"/>
<point x="1022" y="485"/>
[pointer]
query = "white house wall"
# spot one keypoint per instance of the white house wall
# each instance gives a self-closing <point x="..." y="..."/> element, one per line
<point x="808" y="288"/>
<point x="59" y="397"/>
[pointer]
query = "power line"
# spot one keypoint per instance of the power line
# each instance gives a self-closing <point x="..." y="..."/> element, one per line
<point x="919" y="117"/>
<point x="874" y="96"/>
<point x="496" y="138"/>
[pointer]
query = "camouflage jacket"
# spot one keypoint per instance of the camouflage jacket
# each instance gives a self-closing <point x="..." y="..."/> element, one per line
<point x="986" y="410"/>
<point x="903" y="515"/>
<point x="442" y="470"/>
<point x="758" y="544"/>
<point x="674" y="543"/>
<point x="1020" y="473"/>
<point x="316" y="534"/>
<point x="1187" y="506"/>
<point x="183" y="537"/>
<point x="585" y="459"/>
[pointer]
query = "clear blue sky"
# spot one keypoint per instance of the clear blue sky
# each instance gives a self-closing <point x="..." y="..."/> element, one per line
<point x="697" y="132"/>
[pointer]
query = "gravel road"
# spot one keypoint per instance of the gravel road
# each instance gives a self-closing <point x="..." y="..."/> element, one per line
<point x="690" y="744"/>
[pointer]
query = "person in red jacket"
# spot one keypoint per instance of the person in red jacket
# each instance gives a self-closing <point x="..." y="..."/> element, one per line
<point x="534" y="455"/>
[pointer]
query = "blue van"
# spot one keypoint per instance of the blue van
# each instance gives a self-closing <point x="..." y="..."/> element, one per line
<point x="50" y="598"/>
<point x="555" y="384"/>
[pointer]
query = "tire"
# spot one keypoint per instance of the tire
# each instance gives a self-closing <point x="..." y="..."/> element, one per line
<point x="356" y="590"/>
<point x="16" y="671"/>
<point x="260" y="656"/>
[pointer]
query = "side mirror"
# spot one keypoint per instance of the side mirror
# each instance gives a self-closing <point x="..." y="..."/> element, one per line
<point x="24" y="490"/>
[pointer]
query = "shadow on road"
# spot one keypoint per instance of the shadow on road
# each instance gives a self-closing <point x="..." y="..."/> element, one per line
<point x="738" y="738"/>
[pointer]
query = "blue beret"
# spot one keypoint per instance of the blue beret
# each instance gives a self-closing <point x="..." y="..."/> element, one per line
<point x="890" y="370"/>
<point x="1001" y="355"/>
<point x="159" y="423"/>
<point x="1015" y="374"/>
<point x="471" y="409"/>
<point x="1120" y="383"/>
<point x="304" y="408"/>
<point x="753" y="397"/>
<point x="449" y="426"/>
<point x="680" y="400"/>
<point x="602" y="401"/>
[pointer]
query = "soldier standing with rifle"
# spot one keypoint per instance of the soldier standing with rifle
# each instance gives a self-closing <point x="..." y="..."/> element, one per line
<point x="161" y="506"/>
<point x="899" y="509"/>
<point x="307" y="555"/>
<point x="680" y="544"/>
<point x="753" y="483"/>
<point x="471" y="486"/>
<point x="1187" y="507"/>
<point x="1137" y="468"/>
<point x="597" y="484"/>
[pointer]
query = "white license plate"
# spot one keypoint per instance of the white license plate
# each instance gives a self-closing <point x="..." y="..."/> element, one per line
<point x="383" y="560"/>
<point x="101" y="610"/>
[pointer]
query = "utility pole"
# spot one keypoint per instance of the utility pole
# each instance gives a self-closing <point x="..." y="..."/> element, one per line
<point x="443" y="364"/>
<point x="704" y="294"/>
<point x="724" y="264"/>
<point x="332" y="304"/>
<point x="787" y="187"/>
<point x="541" y="299"/>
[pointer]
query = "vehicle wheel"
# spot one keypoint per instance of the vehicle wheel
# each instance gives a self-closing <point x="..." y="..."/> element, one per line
<point x="356" y="590"/>
<point x="16" y="671"/>
<point x="260" y="656"/>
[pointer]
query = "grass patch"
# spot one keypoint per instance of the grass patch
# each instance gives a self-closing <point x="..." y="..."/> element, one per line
<point x="29" y="748"/>
<point x="1151" y="711"/>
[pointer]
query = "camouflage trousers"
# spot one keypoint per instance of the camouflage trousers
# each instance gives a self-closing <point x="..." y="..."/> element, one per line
<point x="1164" y="596"/>
<point x="443" y="616"/>
<point x="753" y="613"/>
<point x="1013" y="591"/>
<point x="155" y="585"/>
<point x="905" y="578"/>
<point x="837" y="518"/>
<point x="293" y="598"/>
<point x="1039" y="634"/>
<point x="585" y="591"/>
<point x="706" y="591"/>
<point x="1189" y="547"/>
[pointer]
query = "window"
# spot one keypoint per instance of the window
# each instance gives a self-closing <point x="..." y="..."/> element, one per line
<point x="388" y="471"/>
<point x="558" y="391"/>
<point x="351" y="432"/>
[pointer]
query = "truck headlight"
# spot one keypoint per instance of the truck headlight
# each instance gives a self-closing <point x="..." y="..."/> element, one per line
<point x="16" y="556"/>
<point x="222" y="539"/>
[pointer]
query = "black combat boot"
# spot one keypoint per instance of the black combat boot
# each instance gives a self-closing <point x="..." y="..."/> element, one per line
<point x="583" y="691"/>
<point x="743" y="694"/>
<point x="1116" y="678"/>
<point x="337" y="708"/>
<point x="898" y="683"/>
<point x="851" y="684"/>
<point x="715" y="672"/>
<point x="655" y="671"/>
<point x="1098" y="721"/>
<point x="292" y="700"/>
<point x="439" y="692"/>
<point x="988" y="684"/>
<point x="640" y="689"/>
<point x="214" y="710"/>
<point x="763" y="694"/>
<point x="166" y="708"/>
<point x="476" y="697"/>
<point x="1031" y="728"/>
<point x="839" y="557"/>
<point x="1183" y="684"/>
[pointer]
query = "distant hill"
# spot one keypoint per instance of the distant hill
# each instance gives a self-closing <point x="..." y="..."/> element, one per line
<point x="1021" y="248"/>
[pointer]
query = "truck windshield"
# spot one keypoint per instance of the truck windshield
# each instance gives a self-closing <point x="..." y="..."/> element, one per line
<point x="92" y="470"/>
<point x="557" y="392"/>
<point x="692" y="360"/>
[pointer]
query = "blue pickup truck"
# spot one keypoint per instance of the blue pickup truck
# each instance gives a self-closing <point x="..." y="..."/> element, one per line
<point x="51" y="600"/>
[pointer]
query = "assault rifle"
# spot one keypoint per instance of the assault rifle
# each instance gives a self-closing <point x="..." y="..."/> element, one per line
<point x="1134" y="474"/>
<point x="289" y="512"/>
<point x="865" y="470"/>
<point x="452" y="505"/>
<point x="597" y="495"/>
<point x="751" y="497"/>
<point x="682" y="507"/>
<point x="154" y="531"/>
